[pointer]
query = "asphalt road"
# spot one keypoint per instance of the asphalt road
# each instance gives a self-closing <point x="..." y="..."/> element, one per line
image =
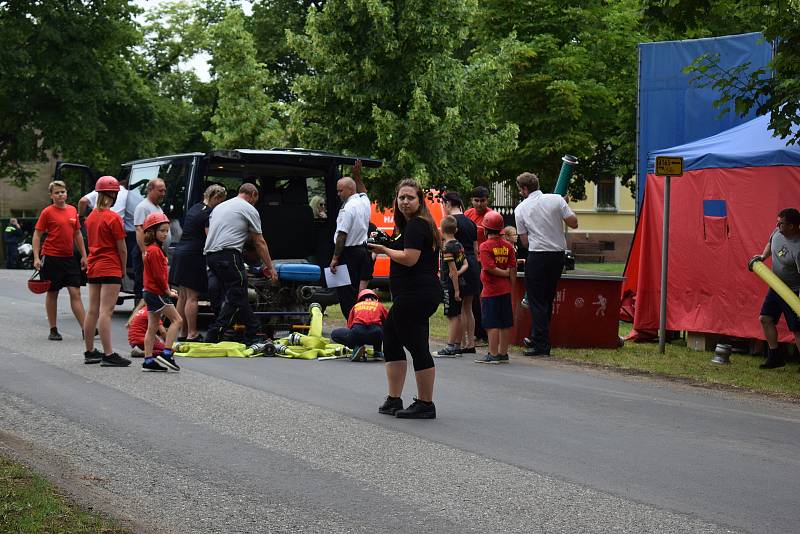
<point x="276" y="445"/>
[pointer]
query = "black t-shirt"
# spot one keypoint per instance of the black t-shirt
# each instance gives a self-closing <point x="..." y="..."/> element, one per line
<point x="422" y="276"/>
<point x="467" y="233"/>
<point x="452" y="252"/>
<point x="194" y="229"/>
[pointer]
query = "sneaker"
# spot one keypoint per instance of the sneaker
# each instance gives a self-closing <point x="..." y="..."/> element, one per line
<point x="168" y="361"/>
<point x="448" y="352"/>
<point x="524" y="302"/>
<point x="503" y="358"/>
<point x="391" y="405"/>
<point x="153" y="366"/>
<point x="136" y="352"/>
<point x="54" y="335"/>
<point x="492" y="359"/>
<point x="359" y="354"/>
<point x="528" y="342"/>
<point x="536" y="352"/>
<point x="92" y="357"/>
<point x="470" y="350"/>
<point x="114" y="360"/>
<point x="418" y="410"/>
<point x="196" y="339"/>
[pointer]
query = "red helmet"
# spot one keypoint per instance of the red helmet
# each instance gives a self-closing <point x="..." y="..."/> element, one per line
<point x="154" y="219"/>
<point x="38" y="286"/>
<point x="366" y="293"/>
<point x="106" y="183"/>
<point x="493" y="221"/>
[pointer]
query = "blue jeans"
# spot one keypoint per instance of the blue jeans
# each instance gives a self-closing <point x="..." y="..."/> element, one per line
<point x="360" y="334"/>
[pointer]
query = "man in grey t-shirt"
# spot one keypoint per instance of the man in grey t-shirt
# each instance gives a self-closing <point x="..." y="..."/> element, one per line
<point x="231" y="224"/>
<point x="784" y="248"/>
<point x="154" y="195"/>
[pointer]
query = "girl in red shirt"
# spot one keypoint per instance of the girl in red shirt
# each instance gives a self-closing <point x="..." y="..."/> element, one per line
<point x="157" y="295"/>
<point x="107" y="254"/>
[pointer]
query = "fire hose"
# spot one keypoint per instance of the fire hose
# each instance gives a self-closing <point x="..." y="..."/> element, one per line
<point x="777" y="285"/>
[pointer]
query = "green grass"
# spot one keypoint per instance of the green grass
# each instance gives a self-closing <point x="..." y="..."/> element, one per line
<point x="31" y="505"/>
<point x="609" y="268"/>
<point x="679" y="362"/>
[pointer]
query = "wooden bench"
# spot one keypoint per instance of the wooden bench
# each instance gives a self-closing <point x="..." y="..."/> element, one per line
<point x="588" y="251"/>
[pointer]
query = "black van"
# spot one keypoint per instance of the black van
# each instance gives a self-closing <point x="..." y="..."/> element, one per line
<point x="288" y="180"/>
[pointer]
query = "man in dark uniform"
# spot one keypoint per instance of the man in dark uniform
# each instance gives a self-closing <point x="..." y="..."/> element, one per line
<point x="11" y="237"/>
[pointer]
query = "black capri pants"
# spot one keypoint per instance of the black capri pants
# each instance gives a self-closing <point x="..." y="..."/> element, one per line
<point x="407" y="327"/>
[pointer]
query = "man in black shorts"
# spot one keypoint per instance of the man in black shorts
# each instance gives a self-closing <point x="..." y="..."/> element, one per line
<point x="55" y="259"/>
<point x="783" y="246"/>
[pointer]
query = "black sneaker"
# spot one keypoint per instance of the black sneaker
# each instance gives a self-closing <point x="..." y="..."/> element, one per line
<point x="153" y="366"/>
<point x="470" y="350"/>
<point x="92" y="357"/>
<point x="114" y="360"/>
<point x="528" y="342"/>
<point x="54" y="335"/>
<point x="391" y="405"/>
<point x="168" y="362"/>
<point x="492" y="359"/>
<point x="418" y="410"/>
<point x="503" y="358"/>
<point x="536" y="352"/>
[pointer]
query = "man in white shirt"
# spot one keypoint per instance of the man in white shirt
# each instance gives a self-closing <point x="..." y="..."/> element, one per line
<point x="350" y="239"/>
<point x="155" y="192"/>
<point x="540" y="224"/>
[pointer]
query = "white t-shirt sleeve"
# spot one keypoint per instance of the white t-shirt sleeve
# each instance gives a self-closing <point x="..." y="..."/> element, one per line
<point x="519" y="217"/>
<point x="566" y="211"/>
<point x="91" y="199"/>
<point x="139" y="214"/>
<point x="344" y="221"/>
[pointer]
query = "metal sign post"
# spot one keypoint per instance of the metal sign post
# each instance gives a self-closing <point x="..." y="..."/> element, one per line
<point x="667" y="167"/>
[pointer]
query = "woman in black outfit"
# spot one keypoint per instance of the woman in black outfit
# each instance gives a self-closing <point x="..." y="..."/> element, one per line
<point x="188" y="269"/>
<point x="416" y="294"/>
<point x="467" y="235"/>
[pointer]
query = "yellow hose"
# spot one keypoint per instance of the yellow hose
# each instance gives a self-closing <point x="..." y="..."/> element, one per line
<point x="777" y="285"/>
<point x="315" y="329"/>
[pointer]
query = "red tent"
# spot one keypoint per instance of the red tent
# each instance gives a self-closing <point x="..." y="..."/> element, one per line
<point x="723" y="210"/>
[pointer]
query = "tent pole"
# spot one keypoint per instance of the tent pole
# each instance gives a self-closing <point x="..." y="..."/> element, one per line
<point x="662" y="323"/>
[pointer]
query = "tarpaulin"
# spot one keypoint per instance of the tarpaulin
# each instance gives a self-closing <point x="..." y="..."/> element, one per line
<point x="671" y="110"/>
<point x="720" y="218"/>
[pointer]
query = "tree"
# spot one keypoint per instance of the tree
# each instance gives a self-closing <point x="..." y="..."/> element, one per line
<point x="773" y="91"/>
<point x="269" y="23"/>
<point x="573" y="89"/>
<point x="385" y="81"/>
<point x="245" y="117"/>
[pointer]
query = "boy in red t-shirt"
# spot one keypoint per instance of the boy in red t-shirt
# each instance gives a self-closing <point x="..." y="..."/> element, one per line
<point x="56" y="260"/>
<point x="138" y="329"/>
<point x="158" y="296"/>
<point x="364" y="327"/>
<point x="498" y="270"/>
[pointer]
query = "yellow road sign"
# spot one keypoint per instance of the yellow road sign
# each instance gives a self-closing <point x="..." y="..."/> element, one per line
<point x="669" y="166"/>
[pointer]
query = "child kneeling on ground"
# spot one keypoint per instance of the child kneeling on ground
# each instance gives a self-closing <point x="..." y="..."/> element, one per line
<point x="137" y="330"/>
<point x="158" y="295"/>
<point x="452" y="265"/>
<point x="498" y="270"/>
<point x="364" y="327"/>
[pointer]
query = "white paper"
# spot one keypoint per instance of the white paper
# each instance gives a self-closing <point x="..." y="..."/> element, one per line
<point x="338" y="279"/>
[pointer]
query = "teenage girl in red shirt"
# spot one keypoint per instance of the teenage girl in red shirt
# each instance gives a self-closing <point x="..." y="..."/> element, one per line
<point x="158" y="295"/>
<point x="107" y="254"/>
